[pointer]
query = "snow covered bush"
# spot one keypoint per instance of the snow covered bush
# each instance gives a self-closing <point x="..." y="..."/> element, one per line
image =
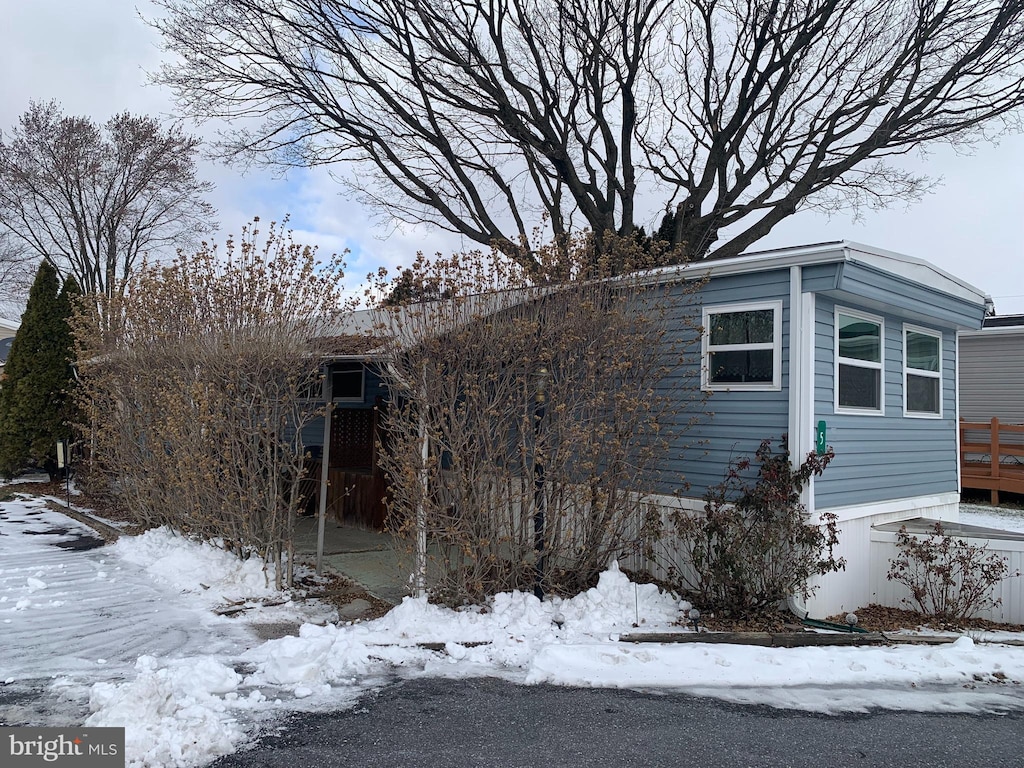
<point x="754" y="545"/>
<point x="948" y="577"/>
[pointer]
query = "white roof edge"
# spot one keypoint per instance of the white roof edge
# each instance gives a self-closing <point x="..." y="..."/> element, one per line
<point x="966" y="291"/>
<point x="10" y="325"/>
<point x="915" y="269"/>
<point x="1006" y="330"/>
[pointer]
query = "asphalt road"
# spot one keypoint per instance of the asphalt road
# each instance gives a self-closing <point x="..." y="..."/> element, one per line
<point x="485" y="722"/>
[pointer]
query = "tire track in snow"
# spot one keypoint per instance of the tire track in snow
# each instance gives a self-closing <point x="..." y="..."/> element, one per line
<point x="68" y="611"/>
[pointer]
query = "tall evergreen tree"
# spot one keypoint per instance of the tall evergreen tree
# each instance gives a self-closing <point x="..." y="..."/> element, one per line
<point x="37" y="377"/>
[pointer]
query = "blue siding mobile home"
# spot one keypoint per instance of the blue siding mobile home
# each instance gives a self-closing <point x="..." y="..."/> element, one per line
<point x="859" y="339"/>
<point x="856" y="339"/>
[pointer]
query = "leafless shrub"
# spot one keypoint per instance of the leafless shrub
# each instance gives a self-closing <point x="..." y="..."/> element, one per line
<point x="753" y="545"/>
<point x="529" y="418"/>
<point x="197" y="383"/>
<point x="948" y="577"/>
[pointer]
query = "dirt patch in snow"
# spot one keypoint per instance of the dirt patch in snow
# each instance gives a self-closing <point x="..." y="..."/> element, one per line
<point x="880" y="618"/>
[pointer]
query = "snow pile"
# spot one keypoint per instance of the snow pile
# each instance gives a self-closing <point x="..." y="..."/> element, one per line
<point x="195" y="567"/>
<point x="174" y="714"/>
<point x="198" y="690"/>
<point x="499" y="639"/>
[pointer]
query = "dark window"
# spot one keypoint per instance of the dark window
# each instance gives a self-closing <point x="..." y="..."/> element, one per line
<point x="923" y="379"/>
<point x="859" y="387"/>
<point x="347" y="382"/>
<point x="756" y="365"/>
<point x="742" y="347"/>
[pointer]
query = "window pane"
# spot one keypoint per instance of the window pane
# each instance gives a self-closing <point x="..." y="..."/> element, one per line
<point x="860" y="339"/>
<point x="752" y="327"/>
<point x="752" y="366"/>
<point x="859" y="387"/>
<point x="922" y="394"/>
<point x="347" y="382"/>
<point x="922" y="351"/>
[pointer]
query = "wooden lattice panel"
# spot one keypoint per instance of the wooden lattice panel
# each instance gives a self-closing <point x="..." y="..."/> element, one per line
<point x="352" y="438"/>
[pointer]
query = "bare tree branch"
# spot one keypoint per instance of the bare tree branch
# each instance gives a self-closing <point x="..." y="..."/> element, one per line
<point x="17" y="268"/>
<point x="480" y="117"/>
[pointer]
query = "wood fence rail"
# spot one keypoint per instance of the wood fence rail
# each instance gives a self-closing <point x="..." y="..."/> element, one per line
<point x="992" y="457"/>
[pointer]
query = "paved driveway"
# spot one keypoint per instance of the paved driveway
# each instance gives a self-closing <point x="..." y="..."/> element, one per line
<point x="488" y="723"/>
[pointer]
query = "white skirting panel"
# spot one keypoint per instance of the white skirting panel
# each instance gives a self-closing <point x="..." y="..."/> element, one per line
<point x="858" y="584"/>
<point x="1009" y="592"/>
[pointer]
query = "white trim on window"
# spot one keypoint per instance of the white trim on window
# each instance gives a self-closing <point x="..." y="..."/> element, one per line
<point x="921" y="373"/>
<point x="854" y="362"/>
<point x="775" y="346"/>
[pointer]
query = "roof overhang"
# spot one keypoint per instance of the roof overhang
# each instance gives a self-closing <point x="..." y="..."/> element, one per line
<point x="908" y="267"/>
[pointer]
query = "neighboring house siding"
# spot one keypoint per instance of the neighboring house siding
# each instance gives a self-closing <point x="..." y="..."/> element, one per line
<point x="733" y="423"/>
<point x="888" y="456"/>
<point x="992" y="376"/>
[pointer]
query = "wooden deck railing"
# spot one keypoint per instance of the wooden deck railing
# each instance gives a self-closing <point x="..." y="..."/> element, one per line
<point x="992" y="457"/>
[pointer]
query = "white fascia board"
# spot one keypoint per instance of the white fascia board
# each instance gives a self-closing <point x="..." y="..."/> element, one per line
<point x="916" y="270"/>
<point x="9" y="325"/>
<point x="758" y="261"/>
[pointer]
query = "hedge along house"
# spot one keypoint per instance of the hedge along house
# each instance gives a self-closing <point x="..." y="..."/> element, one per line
<point x="845" y="345"/>
<point x="838" y="341"/>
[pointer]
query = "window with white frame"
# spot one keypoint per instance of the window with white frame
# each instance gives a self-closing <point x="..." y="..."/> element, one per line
<point x="922" y="372"/>
<point x="743" y="346"/>
<point x="859" y="367"/>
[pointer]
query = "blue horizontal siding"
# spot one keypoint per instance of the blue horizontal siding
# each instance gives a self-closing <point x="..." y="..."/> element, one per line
<point x="890" y="456"/>
<point x="732" y="424"/>
<point x="820" y="277"/>
<point x="874" y="288"/>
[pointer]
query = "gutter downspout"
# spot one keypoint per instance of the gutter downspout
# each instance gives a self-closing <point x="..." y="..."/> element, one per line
<point x="801" y="394"/>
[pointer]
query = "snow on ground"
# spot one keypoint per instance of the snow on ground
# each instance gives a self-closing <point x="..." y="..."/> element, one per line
<point x="189" y="686"/>
<point x="1005" y="518"/>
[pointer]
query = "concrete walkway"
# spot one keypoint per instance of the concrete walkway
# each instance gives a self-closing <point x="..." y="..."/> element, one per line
<point x="366" y="557"/>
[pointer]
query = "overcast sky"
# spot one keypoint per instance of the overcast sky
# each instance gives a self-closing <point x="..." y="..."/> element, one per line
<point x="92" y="56"/>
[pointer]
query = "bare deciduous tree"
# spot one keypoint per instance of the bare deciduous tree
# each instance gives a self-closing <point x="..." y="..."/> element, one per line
<point x="197" y="382"/>
<point x="528" y="424"/>
<point x="16" y="270"/>
<point x="91" y="199"/>
<point x="477" y="116"/>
